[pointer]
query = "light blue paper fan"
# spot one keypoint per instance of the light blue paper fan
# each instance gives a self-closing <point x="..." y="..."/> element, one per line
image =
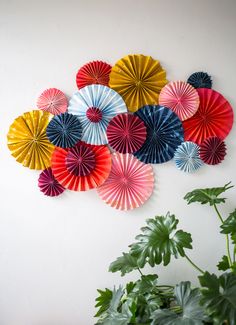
<point x="187" y="157"/>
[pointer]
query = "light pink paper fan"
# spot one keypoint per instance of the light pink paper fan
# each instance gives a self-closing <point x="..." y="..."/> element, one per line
<point x="53" y="101"/>
<point x="129" y="184"/>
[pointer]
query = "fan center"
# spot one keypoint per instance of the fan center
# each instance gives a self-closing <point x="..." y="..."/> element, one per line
<point x="80" y="160"/>
<point x="94" y="114"/>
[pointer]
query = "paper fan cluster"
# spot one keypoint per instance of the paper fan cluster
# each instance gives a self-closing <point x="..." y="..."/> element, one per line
<point x="92" y="141"/>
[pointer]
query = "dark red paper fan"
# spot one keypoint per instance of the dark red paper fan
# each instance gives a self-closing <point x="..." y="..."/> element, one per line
<point x="126" y="133"/>
<point x="214" y="117"/>
<point x="96" y="72"/>
<point x="212" y="150"/>
<point x="79" y="169"/>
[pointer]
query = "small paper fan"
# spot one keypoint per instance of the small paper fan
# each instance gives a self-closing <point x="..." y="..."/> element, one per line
<point x="212" y="150"/>
<point x="95" y="106"/>
<point x="126" y="133"/>
<point x="28" y="142"/>
<point x="200" y="80"/>
<point x="129" y="184"/>
<point x="96" y="72"/>
<point x="48" y="184"/>
<point x="187" y="157"/>
<point x="71" y="179"/>
<point x="181" y="98"/>
<point x="64" y="130"/>
<point x="53" y="101"/>
<point x="164" y="134"/>
<point x="138" y="79"/>
<point x="214" y="117"/>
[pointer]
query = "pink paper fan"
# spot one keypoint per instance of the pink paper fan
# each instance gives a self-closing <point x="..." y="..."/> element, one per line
<point x="212" y="150"/>
<point x="181" y="98"/>
<point x="126" y="133"/>
<point x="53" y="101"/>
<point x="129" y="184"/>
<point x="48" y="184"/>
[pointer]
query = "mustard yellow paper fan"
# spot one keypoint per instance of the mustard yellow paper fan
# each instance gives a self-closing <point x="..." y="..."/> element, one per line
<point x="28" y="142"/>
<point x="138" y="79"/>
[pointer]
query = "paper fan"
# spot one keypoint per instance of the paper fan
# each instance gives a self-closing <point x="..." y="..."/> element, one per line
<point x="96" y="72"/>
<point x="126" y="133"/>
<point x="200" y="80"/>
<point x="138" y="79"/>
<point x="164" y="134"/>
<point x="64" y="130"/>
<point x="214" y="117"/>
<point x="129" y="184"/>
<point x="181" y="98"/>
<point x="53" y="101"/>
<point x="187" y="157"/>
<point x="81" y="176"/>
<point x="28" y="142"/>
<point x="95" y="106"/>
<point x="212" y="150"/>
<point x="48" y="184"/>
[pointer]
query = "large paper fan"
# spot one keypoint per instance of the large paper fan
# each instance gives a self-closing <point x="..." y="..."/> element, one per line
<point x="129" y="184"/>
<point x="48" y="184"/>
<point x="187" y="157"/>
<point x="53" y="101"/>
<point x="212" y="150"/>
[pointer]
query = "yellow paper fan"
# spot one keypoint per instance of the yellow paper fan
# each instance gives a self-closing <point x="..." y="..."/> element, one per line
<point x="28" y="142"/>
<point x="138" y="79"/>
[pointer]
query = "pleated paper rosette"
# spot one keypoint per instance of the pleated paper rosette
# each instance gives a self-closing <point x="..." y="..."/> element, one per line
<point x="95" y="106"/>
<point x="138" y="79"/>
<point x="126" y="133"/>
<point x="164" y="134"/>
<point x="48" y="184"/>
<point x="129" y="185"/>
<point x="214" y="117"/>
<point x="53" y="101"/>
<point x="187" y="157"/>
<point x="28" y="142"/>
<point x="96" y="72"/>
<point x="181" y="98"/>
<point x="212" y="150"/>
<point x="200" y="80"/>
<point x="82" y="167"/>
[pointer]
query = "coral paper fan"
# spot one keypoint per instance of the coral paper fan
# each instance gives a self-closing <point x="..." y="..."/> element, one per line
<point x="96" y="72"/>
<point x="214" y="117"/>
<point x="200" y="80"/>
<point x="212" y="150"/>
<point x="72" y="180"/>
<point x="129" y="184"/>
<point x="64" y="130"/>
<point x="164" y="134"/>
<point x="95" y="106"/>
<point x="181" y="98"/>
<point x="28" y="142"/>
<point x="53" y="101"/>
<point x="126" y="133"/>
<point x="138" y="79"/>
<point x="187" y="157"/>
<point x="48" y="184"/>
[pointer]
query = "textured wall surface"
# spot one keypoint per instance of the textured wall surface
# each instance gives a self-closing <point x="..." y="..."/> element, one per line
<point x="54" y="253"/>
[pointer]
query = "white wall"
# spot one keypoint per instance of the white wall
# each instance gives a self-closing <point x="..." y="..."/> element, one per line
<point x="54" y="253"/>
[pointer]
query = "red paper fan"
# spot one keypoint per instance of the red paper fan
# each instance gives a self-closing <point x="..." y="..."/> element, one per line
<point x="91" y="169"/>
<point x="96" y="72"/>
<point x="212" y="150"/>
<point x="48" y="184"/>
<point x="126" y="133"/>
<point x="214" y="117"/>
<point x="53" y="101"/>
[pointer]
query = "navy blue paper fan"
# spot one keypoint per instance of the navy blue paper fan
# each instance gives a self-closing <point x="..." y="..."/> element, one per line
<point x="64" y="130"/>
<point x="200" y="80"/>
<point x="164" y="134"/>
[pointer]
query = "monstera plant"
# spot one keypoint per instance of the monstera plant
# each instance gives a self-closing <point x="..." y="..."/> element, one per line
<point x="147" y="302"/>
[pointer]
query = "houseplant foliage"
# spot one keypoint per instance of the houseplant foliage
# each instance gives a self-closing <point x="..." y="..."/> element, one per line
<point x="147" y="302"/>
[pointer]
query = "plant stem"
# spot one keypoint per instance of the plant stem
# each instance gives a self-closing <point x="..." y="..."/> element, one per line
<point x="227" y="236"/>
<point x="140" y="271"/>
<point x="194" y="265"/>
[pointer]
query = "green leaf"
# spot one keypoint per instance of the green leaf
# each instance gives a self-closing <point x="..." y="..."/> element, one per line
<point x="147" y="284"/>
<point x="229" y="226"/>
<point x="157" y="242"/>
<point x="125" y="264"/>
<point x="208" y="195"/>
<point x="223" y="265"/>
<point x="191" y="311"/>
<point x="219" y="296"/>
<point x="103" y="301"/>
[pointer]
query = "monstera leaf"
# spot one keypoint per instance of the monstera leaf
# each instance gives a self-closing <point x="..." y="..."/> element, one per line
<point x="186" y="298"/>
<point x="219" y="297"/>
<point x="229" y="226"/>
<point x="207" y="195"/>
<point x="125" y="264"/>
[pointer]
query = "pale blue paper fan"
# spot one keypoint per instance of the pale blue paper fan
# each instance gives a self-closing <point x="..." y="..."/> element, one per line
<point x="187" y="157"/>
<point x="95" y="106"/>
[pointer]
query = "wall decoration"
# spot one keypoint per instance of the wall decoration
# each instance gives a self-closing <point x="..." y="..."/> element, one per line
<point x="94" y="142"/>
<point x="138" y="79"/>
